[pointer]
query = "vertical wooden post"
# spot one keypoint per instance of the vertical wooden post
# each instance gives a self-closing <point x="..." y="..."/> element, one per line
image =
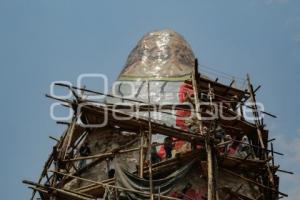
<point x="211" y="192"/>
<point x="210" y="174"/>
<point x="150" y="143"/>
<point x="195" y="83"/>
<point x="141" y="169"/>
<point x="214" y="162"/>
<point x="69" y="138"/>
<point x="258" y="129"/>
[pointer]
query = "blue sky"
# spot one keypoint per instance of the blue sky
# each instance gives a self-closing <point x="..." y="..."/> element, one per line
<point x="47" y="40"/>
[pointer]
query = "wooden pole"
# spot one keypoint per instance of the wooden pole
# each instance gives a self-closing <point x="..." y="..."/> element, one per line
<point x="45" y="168"/>
<point x="141" y="169"/>
<point x="211" y="193"/>
<point x="150" y="143"/>
<point x="102" y="155"/>
<point x="212" y="149"/>
<point x="210" y="174"/>
<point x="196" y="94"/>
<point x="69" y="136"/>
<point x="61" y="153"/>
<point x="272" y="153"/>
<point x="114" y="186"/>
<point x="53" y="138"/>
<point x="258" y="124"/>
<point x="254" y="182"/>
<point x="75" y="195"/>
<point x="48" y="163"/>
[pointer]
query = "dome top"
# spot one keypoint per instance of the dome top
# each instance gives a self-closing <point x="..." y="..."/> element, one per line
<point x="159" y="55"/>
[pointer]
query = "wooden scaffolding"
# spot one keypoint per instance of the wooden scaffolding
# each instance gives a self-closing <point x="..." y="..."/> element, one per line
<point x="60" y="168"/>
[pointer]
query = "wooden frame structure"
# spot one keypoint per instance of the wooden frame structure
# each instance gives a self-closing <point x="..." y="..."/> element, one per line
<point x="59" y="169"/>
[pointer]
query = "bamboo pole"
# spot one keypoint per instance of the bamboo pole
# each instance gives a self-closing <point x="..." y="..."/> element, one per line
<point x="210" y="175"/>
<point x="47" y="164"/>
<point x="257" y="147"/>
<point x="53" y="138"/>
<point x="87" y="187"/>
<point x="97" y="160"/>
<point x="45" y="168"/>
<point x="136" y="122"/>
<point x="141" y="158"/>
<point x="150" y="142"/>
<point x="210" y="178"/>
<point x="134" y="100"/>
<point x="284" y="171"/>
<point x="113" y="186"/>
<point x="60" y="153"/>
<point x="39" y="190"/>
<point x="103" y="155"/>
<point x="70" y="136"/>
<point x="254" y="182"/>
<point x="69" y="193"/>
<point x="272" y="153"/>
<point x="196" y="94"/>
<point x="258" y="128"/>
<point x="212" y="149"/>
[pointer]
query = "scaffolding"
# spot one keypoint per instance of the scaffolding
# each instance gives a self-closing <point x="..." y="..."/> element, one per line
<point x="230" y="158"/>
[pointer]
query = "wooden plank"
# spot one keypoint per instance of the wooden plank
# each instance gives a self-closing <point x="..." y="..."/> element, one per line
<point x="135" y="123"/>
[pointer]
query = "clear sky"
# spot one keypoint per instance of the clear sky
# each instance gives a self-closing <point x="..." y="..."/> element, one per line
<point x="47" y="40"/>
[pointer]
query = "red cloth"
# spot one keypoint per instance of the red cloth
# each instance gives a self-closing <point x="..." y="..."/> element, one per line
<point x="192" y="194"/>
<point x="174" y="194"/>
<point x="185" y="89"/>
<point x="180" y="119"/>
<point x="178" y="144"/>
<point x="162" y="152"/>
<point x="231" y="150"/>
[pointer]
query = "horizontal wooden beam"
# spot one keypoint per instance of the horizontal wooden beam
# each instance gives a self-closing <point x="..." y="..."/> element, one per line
<point x="113" y="186"/>
<point x="103" y="155"/>
<point x="135" y="123"/>
<point x="254" y="182"/>
<point x="68" y="193"/>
